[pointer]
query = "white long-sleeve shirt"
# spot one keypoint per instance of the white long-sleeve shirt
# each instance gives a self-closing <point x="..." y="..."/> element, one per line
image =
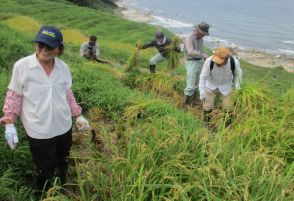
<point x="85" y="48"/>
<point x="220" y="77"/>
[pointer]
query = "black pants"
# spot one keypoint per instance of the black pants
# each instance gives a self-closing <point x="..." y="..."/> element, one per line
<point x="49" y="154"/>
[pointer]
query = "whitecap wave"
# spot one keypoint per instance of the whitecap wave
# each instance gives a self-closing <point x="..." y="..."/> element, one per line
<point x="287" y="52"/>
<point x="288" y="42"/>
<point x="220" y="42"/>
<point x="169" y="23"/>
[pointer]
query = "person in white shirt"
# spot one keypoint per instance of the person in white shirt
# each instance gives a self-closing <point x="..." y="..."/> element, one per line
<point x="40" y="93"/>
<point x="217" y="77"/>
<point x="90" y="49"/>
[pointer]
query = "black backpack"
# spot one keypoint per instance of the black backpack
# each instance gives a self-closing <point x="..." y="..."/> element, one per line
<point x="232" y="62"/>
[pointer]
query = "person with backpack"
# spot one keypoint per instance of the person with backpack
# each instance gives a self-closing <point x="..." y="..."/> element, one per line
<point x="162" y="44"/>
<point x="219" y="73"/>
<point x="195" y="57"/>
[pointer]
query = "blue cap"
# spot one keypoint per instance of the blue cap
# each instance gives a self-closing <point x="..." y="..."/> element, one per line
<point x="50" y="36"/>
<point x="159" y="34"/>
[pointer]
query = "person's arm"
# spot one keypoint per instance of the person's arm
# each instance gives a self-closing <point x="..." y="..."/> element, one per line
<point x="76" y="110"/>
<point x="81" y="123"/>
<point x="190" y="50"/>
<point x="204" y="76"/>
<point x="12" y="104"/>
<point x="149" y="44"/>
<point x="238" y="75"/>
<point x="97" y="51"/>
<point x="11" y="108"/>
<point x="83" y="49"/>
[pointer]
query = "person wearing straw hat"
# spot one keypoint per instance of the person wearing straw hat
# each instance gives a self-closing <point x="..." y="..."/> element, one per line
<point x="195" y="57"/>
<point x="40" y="93"/>
<point x="219" y="73"/>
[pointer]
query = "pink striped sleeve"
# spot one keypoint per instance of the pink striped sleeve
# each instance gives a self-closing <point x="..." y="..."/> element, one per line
<point x="75" y="108"/>
<point x="11" y="108"/>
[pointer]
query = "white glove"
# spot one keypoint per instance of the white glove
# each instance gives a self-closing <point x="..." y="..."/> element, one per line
<point x="11" y="135"/>
<point x="82" y="124"/>
<point x="202" y="97"/>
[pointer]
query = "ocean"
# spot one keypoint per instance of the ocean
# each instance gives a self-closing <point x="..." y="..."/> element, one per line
<point x="261" y="31"/>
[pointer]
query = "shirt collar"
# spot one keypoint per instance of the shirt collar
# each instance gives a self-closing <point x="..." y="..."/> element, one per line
<point x="34" y="62"/>
<point x="163" y="41"/>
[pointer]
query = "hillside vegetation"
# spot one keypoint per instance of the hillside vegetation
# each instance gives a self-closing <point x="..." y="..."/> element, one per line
<point x="147" y="147"/>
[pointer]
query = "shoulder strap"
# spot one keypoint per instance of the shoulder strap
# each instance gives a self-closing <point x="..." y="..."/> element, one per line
<point x="233" y="66"/>
<point x="211" y="65"/>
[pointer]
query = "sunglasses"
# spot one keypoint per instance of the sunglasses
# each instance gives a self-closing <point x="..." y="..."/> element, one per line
<point x="43" y="45"/>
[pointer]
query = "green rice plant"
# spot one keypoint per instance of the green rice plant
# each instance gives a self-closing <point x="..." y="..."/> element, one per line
<point x="54" y="193"/>
<point x="173" y="56"/>
<point x="11" y="187"/>
<point x="134" y="60"/>
<point x="15" y="48"/>
<point x="252" y="96"/>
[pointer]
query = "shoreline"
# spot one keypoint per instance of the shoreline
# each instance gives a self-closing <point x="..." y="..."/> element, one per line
<point x="254" y="56"/>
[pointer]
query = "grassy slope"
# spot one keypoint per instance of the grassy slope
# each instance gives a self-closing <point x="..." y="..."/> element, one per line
<point x="163" y="151"/>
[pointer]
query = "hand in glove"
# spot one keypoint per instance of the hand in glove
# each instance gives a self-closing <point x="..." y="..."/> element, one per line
<point x="82" y="124"/>
<point x="202" y="97"/>
<point x="11" y="135"/>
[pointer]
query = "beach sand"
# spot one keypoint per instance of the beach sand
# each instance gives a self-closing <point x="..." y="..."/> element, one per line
<point x="256" y="57"/>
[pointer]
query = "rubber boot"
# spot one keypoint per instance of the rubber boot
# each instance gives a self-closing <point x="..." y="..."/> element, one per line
<point x="207" y="119"/>
<point x="193" y="99"/>
<point x="152" y="68"/>
<point x="187" y="102"/>
<point x="228" y="118"/>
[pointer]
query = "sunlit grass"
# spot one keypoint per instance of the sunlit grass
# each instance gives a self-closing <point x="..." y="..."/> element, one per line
<point x="24" y="24"/>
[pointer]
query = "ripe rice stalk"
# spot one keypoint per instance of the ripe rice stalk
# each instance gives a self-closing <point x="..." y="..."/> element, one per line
<point x="24" y="24"/>
<point x="160" y="83"/>
<point x="173" y="59"/>
<point x="252" y="96"/>
<point x="134" y="60"/>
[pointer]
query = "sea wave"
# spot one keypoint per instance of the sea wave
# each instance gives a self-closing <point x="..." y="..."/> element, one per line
<point x="169" y="23"/>
<point x="288" y="42"/>
<point x="220" y="42"/>
<point x="287" y="52"/>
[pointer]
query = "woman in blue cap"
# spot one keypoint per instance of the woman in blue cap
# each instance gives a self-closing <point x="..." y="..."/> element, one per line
<point x="40" y="93"/>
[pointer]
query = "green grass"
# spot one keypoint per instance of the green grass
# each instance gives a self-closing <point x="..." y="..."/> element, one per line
<point x="151" y="149"/>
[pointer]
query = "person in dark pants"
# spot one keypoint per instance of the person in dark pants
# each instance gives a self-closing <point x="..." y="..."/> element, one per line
<point x="162" y="44"/>
<point x="40" y="93"/>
